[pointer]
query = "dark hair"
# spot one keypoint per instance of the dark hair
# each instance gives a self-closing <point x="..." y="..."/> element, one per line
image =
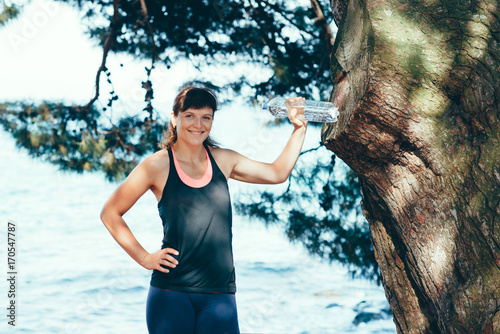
<point x="190" y="97"/>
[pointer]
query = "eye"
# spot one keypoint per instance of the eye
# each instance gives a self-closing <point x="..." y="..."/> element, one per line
<point x="207" y="118"/>
<point x="189" y="116"/>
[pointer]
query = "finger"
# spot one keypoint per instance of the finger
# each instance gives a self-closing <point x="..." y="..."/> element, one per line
<point x="168" y="264"/>
<point x="171" y="251"/>
<point x="171" y="259"/>
<point x="301" y="105"/>
<point x="298" y="121"/>
<point x="163" y="270"/>
<point x="296" y="117"/>
<point x="166" y="255"/>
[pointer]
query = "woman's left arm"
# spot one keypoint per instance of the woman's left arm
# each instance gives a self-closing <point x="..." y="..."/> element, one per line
<point x="251" y="171"/>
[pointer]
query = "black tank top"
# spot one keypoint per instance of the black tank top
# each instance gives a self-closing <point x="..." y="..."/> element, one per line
<point x="197" y="222"/>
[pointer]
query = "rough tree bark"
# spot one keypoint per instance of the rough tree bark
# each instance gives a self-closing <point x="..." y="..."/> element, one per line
<point x="417" y="82"/>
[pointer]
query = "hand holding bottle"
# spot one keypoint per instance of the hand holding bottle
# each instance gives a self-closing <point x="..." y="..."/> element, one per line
<point x="295" y="111"/>
<point x="314" y="111"/>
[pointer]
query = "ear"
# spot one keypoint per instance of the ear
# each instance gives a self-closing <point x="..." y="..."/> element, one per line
<point x="173" y="120"/>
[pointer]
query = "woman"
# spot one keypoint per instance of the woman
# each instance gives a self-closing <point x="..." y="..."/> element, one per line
<point x="193" y="281"/>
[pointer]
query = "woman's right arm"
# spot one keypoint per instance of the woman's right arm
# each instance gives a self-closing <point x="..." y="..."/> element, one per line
<point x="123" y="198"/>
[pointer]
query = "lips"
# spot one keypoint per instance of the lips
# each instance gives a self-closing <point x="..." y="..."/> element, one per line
<point x="196" y="133"/>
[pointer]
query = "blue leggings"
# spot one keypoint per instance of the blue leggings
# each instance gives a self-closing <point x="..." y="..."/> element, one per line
<point x="173" y="312"/>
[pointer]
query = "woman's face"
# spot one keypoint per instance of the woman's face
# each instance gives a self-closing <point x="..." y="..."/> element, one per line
<point x="194" y="125"/>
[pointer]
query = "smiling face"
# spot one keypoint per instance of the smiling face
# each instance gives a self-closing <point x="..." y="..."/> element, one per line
<point x="193" y="125"/>
<point x="192" y="116"/>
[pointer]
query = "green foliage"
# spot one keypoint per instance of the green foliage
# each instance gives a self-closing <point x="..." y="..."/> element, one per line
<point x="73" y="139"/>
<point x="273" y="34"/>
<point x="9" y="12"/>
<point x="320" y="209"/>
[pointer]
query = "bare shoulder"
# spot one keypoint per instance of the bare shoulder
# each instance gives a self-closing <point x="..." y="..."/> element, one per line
<point x="156" y="167"/>
<point x="153" y="167"/>
<point x="158" y="162"/>
<point x="224" y="155"/>
<point x="226" y="159"/>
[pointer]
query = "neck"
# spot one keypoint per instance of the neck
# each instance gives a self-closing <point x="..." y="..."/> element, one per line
<point x="186" y="152"/>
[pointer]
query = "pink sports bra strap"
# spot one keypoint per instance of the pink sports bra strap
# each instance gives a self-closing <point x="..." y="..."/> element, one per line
<point x="188" y="180"/>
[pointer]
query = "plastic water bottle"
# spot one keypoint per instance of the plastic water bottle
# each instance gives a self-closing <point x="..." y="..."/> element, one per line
<point x="314" y="111"/>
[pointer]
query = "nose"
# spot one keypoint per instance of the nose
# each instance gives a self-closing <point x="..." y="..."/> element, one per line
<point x="198" y="122"/>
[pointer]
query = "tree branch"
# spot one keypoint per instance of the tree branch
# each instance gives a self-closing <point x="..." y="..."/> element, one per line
<point x="325" y="28"/>
<point x="107" y="46"/>
<point x="148" y="85"/>
<point x="150" y="30"/>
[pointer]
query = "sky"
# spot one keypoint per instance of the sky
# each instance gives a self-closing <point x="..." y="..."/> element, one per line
<point x="46" y="55"/>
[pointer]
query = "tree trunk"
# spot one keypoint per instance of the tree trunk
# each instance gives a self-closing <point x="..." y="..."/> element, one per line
<point x="417" y="83"/>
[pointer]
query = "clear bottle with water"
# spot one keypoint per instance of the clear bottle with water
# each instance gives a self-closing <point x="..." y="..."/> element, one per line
<point x="314" y="111"/>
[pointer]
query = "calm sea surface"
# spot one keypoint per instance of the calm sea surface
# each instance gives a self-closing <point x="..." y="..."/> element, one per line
<point x="74" y="278"/>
